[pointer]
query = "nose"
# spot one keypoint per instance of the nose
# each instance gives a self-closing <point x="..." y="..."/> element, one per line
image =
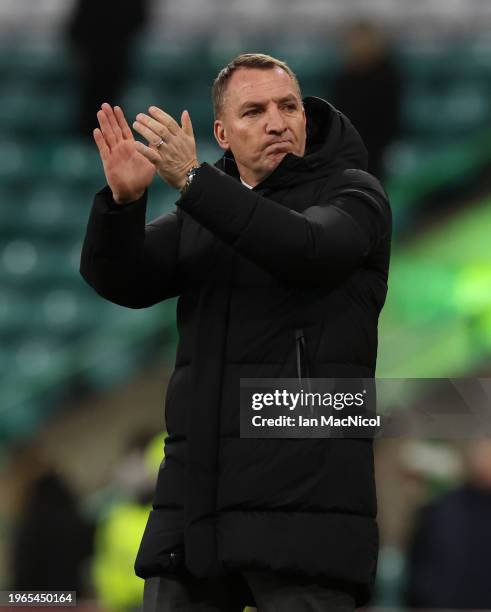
<point x="275" y="121"/>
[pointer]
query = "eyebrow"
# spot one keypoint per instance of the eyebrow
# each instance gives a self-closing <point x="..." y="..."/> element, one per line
<point x="288" y="98"/>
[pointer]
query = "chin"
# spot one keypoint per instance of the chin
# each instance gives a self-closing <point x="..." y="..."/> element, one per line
<point x="271" y="163"/>
<point x="276" y="159"/>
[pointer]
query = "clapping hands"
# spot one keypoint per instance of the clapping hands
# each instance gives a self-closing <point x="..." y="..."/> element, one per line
<point x="130" y="165"/>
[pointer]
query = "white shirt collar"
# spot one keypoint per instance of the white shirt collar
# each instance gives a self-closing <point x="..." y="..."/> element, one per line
<point x="244" y="183"/>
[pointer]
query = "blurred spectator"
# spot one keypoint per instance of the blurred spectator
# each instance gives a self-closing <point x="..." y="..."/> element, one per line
<point x="51" y="539"/>
<point x="450" y="552"/>
<point x="117" y="539"/>
<point x="367" y="89"/>
<point x="101" y="34"/>
<point x="122" y="522"/>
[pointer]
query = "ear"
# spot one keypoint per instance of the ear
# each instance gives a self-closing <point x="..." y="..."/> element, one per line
<point x="220" y="134"/>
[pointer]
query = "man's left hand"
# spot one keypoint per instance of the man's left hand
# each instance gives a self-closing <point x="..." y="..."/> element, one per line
<point x="177" y="154"/>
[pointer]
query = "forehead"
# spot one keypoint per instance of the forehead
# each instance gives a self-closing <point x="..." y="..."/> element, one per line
<point x="259" y="84"/>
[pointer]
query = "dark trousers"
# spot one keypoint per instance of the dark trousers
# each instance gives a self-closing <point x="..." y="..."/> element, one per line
<point x="272" y="593"/>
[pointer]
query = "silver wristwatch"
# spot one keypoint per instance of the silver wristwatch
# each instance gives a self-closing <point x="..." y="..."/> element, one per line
<point x="190" y="174"/>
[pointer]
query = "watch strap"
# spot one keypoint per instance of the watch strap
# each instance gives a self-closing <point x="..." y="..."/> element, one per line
<point x="189" y="179"/>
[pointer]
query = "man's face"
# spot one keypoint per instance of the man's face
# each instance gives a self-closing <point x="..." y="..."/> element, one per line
<point x="262" y="120"/>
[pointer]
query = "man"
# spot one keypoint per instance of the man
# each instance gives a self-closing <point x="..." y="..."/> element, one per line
<point x="279" y="255"/>
<point x="102" y="54"/>
<point x="368" y="88"/>
<point x="448" y="553"/>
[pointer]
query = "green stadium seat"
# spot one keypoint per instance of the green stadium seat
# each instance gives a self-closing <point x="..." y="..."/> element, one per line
<point x="20" y="413"/>
<point x="43" y="211"/>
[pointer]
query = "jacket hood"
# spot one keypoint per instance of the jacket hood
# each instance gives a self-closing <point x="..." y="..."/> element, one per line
<point x="333" y="144"/>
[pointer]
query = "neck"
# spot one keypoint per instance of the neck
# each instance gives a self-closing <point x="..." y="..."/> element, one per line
<point x="249" y="177"/>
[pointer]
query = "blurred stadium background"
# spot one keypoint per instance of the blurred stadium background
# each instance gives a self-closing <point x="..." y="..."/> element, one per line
<point x="82" y="381"/>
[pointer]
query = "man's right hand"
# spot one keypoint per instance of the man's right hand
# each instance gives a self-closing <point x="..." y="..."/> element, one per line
<point x="128" y="173"/>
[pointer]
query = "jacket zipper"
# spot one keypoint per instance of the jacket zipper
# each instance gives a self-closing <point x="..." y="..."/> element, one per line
<point x="302" y="366"/>
<point x="303" y="370"/>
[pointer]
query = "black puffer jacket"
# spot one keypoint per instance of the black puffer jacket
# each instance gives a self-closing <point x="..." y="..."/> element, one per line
<point x="306" y="249"/>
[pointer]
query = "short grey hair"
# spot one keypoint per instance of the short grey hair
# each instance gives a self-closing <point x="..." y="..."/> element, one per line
<point x="245" y="60"/>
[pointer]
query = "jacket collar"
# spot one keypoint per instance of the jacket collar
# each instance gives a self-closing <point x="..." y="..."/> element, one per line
<point x="333" y="144"/>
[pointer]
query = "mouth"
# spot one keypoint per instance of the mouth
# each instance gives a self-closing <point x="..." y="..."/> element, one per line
<point x="282" y="144"/>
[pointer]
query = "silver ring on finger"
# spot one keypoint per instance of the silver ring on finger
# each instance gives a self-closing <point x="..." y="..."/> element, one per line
<point x="159" y="144"/>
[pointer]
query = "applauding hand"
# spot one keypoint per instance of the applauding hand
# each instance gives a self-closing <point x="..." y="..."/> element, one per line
<point x="172" y="148"/>
<point x="128" y="172"/>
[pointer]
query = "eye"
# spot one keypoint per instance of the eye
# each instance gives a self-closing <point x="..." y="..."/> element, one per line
<point x="292" y="106"/>
<point x="251" y="112"/>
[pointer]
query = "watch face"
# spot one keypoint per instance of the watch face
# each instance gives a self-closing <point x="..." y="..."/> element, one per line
<point x="191" y="174"/>
<point x="189" y="178"/>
